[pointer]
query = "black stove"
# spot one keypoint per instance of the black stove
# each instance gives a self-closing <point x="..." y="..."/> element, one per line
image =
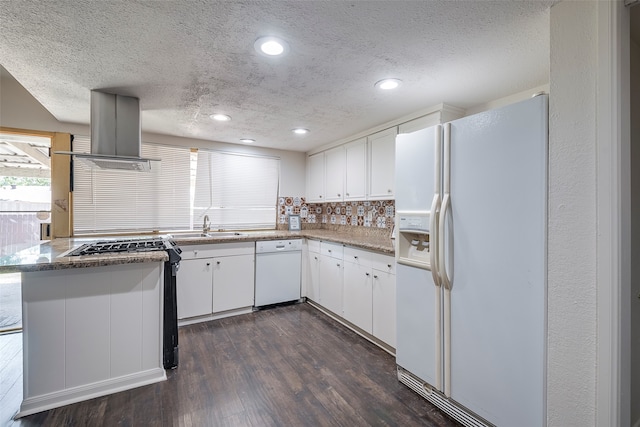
<point x="170" y="314"/>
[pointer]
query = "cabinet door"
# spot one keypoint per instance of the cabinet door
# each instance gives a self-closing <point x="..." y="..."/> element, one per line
<point x="355" y="170"/>
<point x="233" y="285"/>
<point x="382" y="151"/>
<point x="193" y="284"/>
<point x="313" y="276"/>
<point x="384" y="306"/>
<point x="334" y="174"/>
<point x="331" y="284"/>
<point x="315" y="178"/>
<point x="357" y="302"/>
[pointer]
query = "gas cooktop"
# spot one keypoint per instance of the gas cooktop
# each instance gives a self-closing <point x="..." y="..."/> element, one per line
<point x="125" y="245"/>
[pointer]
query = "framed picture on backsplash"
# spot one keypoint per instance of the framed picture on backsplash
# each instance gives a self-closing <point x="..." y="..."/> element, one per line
<point x="294" y="222"/>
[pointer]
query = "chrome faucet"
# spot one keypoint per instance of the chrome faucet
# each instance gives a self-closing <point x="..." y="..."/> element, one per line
<point x="206" y="225"/>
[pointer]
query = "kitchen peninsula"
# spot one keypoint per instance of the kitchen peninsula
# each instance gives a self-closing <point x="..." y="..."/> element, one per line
<point x="92" y="325"/>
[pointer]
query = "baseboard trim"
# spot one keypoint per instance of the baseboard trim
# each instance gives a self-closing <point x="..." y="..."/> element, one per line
<point x="56" y="399"/>
<point x="214" y="316"/>
<point x="383" y="345"/>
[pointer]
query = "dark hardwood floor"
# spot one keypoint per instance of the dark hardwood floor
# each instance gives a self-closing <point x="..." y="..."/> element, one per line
<point x="286" y="366"/>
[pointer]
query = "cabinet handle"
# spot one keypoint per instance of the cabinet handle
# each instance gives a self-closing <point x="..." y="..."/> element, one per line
<point x="355" y="257"/>
<point x="389" y="265"/>
<point x="375" y="277"/>
<point x="320" y="197"/>
<point x="315" y="257"/>
<point x="347" y="194"/>
<point x="208" y="264"/>
<point x="338" y="265"/>
<point x="389" y="191"/>
<point x="338" y="194"/>
<point x="329" y="250"/>
<point x="218" y="262"/>
<point x="195" y="253"/>
<point x="366" y="274"/>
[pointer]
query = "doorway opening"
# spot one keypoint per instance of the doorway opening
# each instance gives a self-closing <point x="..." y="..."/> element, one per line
<point x="25" y="211"/>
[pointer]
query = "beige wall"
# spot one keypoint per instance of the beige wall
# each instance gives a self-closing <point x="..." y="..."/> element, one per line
<point x="572" y="295"/>
<point x="634" y="298"/>
<point x="18" y="109"/>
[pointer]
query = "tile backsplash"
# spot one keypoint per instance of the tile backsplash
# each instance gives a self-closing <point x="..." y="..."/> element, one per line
<point x="374" y="214"/>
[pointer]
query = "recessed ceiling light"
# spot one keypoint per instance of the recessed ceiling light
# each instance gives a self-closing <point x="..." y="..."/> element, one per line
<point x="220" y="117"/>
<point x="271" y="46"/>
<point x="300" y="131"/>
<point x="247" y="140"/>
<point x="388" y="84"/>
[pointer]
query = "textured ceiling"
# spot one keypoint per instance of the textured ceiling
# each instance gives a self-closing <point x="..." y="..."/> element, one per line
<point x="187" y="59"/>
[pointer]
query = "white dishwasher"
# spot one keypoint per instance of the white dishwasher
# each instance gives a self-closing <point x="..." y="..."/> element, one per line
<point x="277" y="271"/>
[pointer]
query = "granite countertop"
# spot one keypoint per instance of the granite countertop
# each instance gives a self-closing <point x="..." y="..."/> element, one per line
<point x="376" y="243"/>
<point x="372" y="242"/>
<point x="50" y="255"/>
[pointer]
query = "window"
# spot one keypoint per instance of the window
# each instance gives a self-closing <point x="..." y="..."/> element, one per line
<point x="236" y="191"/>
<point x="119" y="201"/>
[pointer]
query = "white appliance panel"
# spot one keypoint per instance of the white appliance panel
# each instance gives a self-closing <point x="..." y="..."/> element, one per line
<point x="277" y="275"/>
<point x="416" y="322"/>
<point x="415" y="174"/>
<point x="498" y="231"/>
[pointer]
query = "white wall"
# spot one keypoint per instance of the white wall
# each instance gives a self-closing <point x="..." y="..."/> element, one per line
<point x="572" y="339"/>
<point x="18" y="109"/>
<point x="634" y="298"/>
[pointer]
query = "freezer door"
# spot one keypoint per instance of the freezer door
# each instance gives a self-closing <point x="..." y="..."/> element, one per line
<point x="417" y="346"/>
<point x="417" y="169"/>
<point x="496" y="232"/>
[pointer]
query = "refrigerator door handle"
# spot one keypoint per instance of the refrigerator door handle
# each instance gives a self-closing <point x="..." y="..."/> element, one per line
<point x="433" y="239"/>
<point x="442" y="265"/>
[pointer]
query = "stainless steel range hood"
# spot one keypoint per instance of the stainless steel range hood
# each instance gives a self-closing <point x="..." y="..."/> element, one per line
<point x="115" y="134"/>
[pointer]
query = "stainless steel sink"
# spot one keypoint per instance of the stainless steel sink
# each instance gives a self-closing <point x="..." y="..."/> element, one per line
<point x="211" y="234"/>
<point x="225" y="234"/>
<point x="188" y="235"/>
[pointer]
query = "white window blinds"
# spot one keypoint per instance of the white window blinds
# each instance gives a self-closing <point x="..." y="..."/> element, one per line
<point x="236" y="191"/>
<point x="112" y="201"/>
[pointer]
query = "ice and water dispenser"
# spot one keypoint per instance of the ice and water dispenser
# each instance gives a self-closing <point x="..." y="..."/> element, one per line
<point x="412" y="240"/>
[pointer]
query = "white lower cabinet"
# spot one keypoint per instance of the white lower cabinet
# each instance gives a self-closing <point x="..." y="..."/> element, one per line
<point x="215" y="278"/>
<point x="356" y="284"/>
<point x="357" y="301"/>
<point x="194" y="288"/>
<point x="233" y="282"/>
<point x="311" y="271"/>
<point x="384" y="306"/>
<point x="331" y="283"/>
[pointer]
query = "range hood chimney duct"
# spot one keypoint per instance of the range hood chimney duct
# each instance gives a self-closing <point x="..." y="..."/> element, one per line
<point x="115" y="134"/>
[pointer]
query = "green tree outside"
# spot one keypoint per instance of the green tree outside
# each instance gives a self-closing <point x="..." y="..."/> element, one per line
<point x="24" y="181"/>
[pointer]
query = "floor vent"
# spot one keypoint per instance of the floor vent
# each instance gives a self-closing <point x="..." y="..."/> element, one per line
<point x="444" y="404"/>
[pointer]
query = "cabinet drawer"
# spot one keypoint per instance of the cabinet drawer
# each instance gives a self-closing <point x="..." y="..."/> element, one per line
<point x="334" y="250"/>
<point x="313" y="246"/>
<point x="360" y="257"/>
<point x="217" y="249"/>
<point x="384" y="263"/>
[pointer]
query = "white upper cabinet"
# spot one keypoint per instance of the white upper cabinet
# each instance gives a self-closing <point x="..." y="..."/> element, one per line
<point x="382" y="153"/>
<point x="364" y="169"/>
<point x="355" y="170"/>
<point x="334" y="161"/>
<point x="315" y="178"/>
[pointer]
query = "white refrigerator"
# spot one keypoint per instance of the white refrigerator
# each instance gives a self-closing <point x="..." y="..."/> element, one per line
<point x="471" y="202"/>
